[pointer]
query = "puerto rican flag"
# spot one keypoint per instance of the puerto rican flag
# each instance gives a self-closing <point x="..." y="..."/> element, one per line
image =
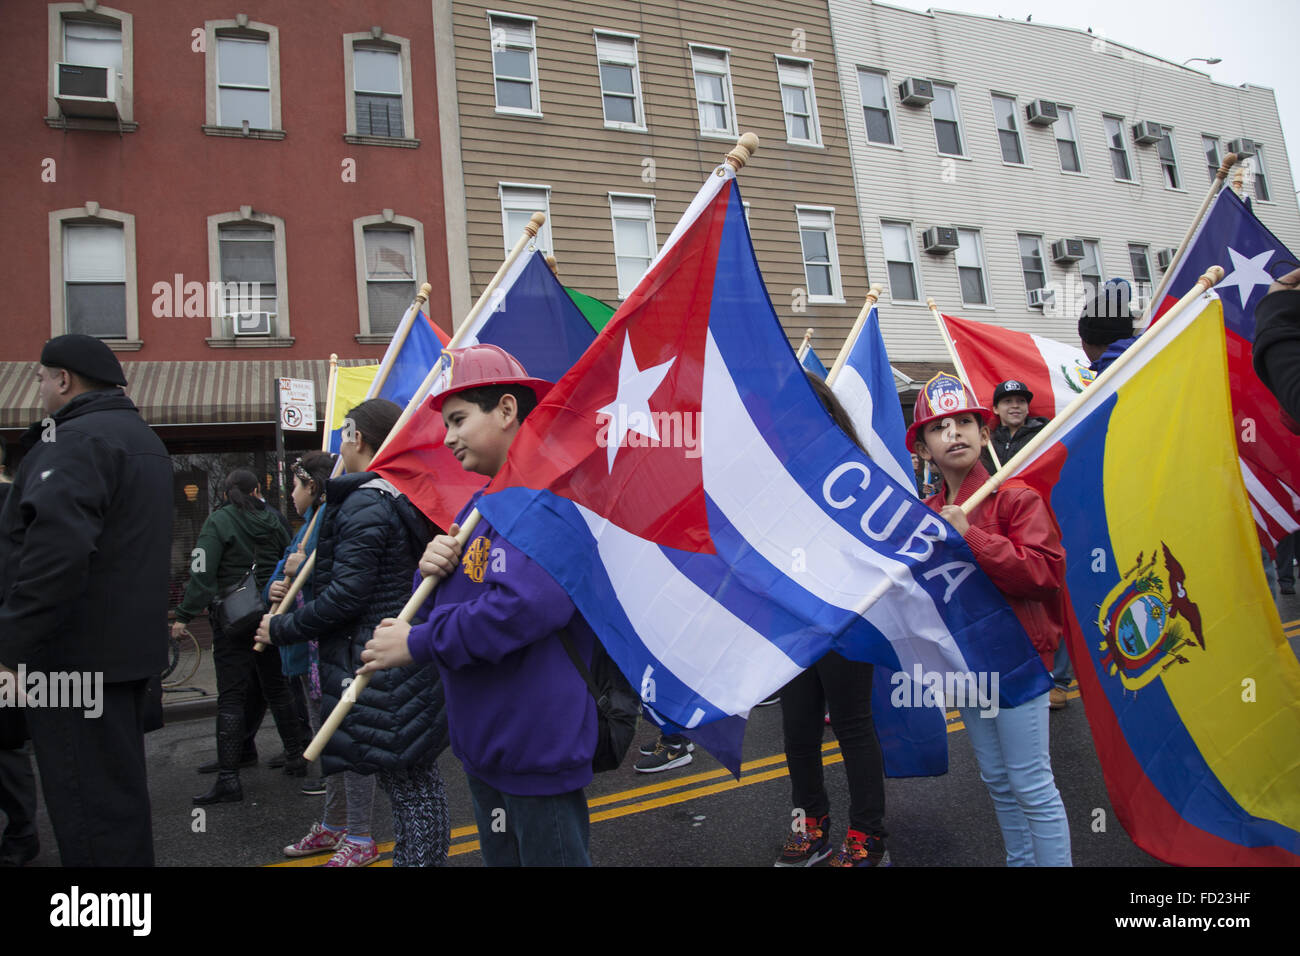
<point x="685" y="486"/>
<point x="989" y="354"/>
<point x="1231" y="236"/>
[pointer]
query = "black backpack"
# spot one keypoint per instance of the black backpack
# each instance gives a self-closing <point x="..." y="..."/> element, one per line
<point x="617" y="704"/>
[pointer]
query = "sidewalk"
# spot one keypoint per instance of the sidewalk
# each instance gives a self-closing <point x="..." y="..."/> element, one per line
<point x="197" y="697"/>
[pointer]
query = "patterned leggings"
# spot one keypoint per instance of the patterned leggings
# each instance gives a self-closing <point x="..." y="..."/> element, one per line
<point x="421" y="823"/>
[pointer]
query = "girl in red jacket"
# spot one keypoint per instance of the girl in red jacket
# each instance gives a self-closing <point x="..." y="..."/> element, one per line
<point x="1016" y="543"/>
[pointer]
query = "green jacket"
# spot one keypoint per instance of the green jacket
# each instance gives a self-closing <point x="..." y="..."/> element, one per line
<point x="231" y="541"/>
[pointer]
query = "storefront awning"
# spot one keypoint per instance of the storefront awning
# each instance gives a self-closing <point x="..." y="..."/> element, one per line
<point x="181" y="393"/>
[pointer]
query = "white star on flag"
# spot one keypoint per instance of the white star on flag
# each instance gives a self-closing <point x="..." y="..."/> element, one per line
<point x="1246" y="274"/>
<point x="630" y="409"/>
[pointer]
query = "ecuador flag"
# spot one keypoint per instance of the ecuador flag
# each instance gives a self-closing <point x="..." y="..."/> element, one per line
<point x="351" y="386"/>
<point x="1191" y="691"/>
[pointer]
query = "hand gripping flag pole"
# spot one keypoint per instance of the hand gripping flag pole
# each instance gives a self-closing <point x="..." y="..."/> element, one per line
<point x="873" y="293"/>
<point x="1211" y="278"/>
<point x="745" y="147"/>
<point x="956" y="364"/>
<point x="530" y="231"/>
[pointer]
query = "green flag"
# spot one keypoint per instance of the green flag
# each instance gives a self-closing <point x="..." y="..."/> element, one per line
<point x="593" y="310"/>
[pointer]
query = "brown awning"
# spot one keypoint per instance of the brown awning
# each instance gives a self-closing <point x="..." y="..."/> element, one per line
<point x="181" y="393"/>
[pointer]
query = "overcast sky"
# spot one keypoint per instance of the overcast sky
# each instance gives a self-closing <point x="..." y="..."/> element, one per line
<point x="1258" y="40"/>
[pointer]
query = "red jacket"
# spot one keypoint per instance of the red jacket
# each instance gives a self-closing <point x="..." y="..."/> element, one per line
<point x="1018" y="545"/>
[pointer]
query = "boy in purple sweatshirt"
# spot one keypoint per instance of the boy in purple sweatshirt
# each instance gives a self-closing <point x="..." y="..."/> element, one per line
<point x="520" y="717"/>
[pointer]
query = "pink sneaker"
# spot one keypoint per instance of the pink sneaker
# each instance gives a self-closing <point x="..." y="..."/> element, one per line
<point x="318" y="841"/>
<point x="351" y="853"/>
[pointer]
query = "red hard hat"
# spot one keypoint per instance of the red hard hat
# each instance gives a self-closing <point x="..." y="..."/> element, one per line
<point x="943" y="396"/>
<point x="478" y="365"/>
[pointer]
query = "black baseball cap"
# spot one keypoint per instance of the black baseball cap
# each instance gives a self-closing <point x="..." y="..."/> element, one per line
<point x="1011" y="387"/>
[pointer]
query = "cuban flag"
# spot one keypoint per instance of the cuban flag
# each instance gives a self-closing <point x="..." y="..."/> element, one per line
<point x="1231" y="236"/>
<point x="530" y="315"/>
<point x="1056" y="373"/>
<point x="686" y="487"/>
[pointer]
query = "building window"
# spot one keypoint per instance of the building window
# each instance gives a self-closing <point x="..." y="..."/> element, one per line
<point x="1255" y="164"/>
<point x="1031" y="261"/>
<point x="243" y="79"/>
<point x="713" y="91"/>
<point x="947" y="127"/>
<point x="798" y="102"/>
<point x="1168" y="161"/>
<point x="514" y="64"/>
<point x="518" y="203"/>
<point x="389" y="263"/>
<point x="620" y="81"/>
<point x="101" y="40"/>
<point x="821" y="258"/>
<point x="1004" y="115"/>
<point x="1119" y="161"/>
<point x="900" y="261"/>
<point x="1067" y="140"/>
<point x="634" y="238"/>
<point x="970" y="267"/>
<point x="92" y="266"/>
<point x="1090" y="266"/>
<point x="1210" y="144"/>
<point x="377" y="74"/>
<point x="246" y="255"/>
<point x="1141" y="262"/>
<point x="875" y="107"/>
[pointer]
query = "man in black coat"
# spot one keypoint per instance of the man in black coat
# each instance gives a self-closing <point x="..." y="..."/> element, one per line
<point x="85" y="544"/>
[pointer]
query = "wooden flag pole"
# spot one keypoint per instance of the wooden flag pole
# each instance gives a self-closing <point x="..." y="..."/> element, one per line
<point x="1212" y="277"/>
<point x="744" y="149"/>
<point x="554" y="266"/>
<point x="956" y="364"/>
<point x="1228" y="162"/>
<point x="873" y="293"/>
<point x="804" y="346"/>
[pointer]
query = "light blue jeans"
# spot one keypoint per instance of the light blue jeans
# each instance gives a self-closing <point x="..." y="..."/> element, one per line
<point x="1017" y="768"/>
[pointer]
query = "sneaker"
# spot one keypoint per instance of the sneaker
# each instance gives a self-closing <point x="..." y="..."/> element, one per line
<point x="647" y="748"/>
<point x="811" y="846"/>
<point x="1056" y="699"/>
<point x="665" y="756"/>
<point x="351" y="853"/>
<point x="313" y="788"/>
<point x="318" y="841"/>
<point x="862" y="850"/>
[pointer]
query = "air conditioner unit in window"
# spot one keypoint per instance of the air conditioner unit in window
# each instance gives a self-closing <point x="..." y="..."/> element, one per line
<point x="88" y="91"/>
<point x="1147" y="133"/>
<point x="916" y="92"/>
<point x="251" y="323"/>
<point x="1242" y="147"/>
<point x="1067" y="250"/>
<point x="939" y="240"/>
<point x="1041" y="298"/>
<point x="1042" y="112"/>
<point x="1165" y="258"/>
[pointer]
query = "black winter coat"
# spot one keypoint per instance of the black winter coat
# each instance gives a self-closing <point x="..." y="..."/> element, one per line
<point x="370" y="542"/>
<point x="1006" y="444"/>
<point x="1277" y="348"/>
<point x="85" y="544"/>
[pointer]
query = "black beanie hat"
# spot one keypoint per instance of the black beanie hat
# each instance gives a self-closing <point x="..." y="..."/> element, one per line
<point x="84" y="354"/>
<point x="1107" y="317"/>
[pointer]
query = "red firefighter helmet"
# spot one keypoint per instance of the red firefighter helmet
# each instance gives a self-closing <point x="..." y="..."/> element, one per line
<point x="941" y="397"/>
<point x="478" y="365"/>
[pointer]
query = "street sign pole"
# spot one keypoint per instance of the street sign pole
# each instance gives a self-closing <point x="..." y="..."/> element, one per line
<point x="279" y="447"/>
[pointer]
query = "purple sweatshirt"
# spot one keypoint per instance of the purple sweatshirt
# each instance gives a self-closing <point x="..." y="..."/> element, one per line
<point x="520" y="717"/>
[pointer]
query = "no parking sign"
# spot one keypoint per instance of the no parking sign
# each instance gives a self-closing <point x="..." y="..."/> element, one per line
<point x="297" y="404"/>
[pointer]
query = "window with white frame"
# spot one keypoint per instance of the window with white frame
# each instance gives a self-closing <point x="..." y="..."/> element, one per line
<point x="970" y="267"/>
<point x="1168" y="160"/>
<point x="821" y="258"/>
<point x="947" y="125"/>
<point x="390" y="276"/>
<point x="634" y="238"/>
<point x="514" y="64"/>
<point x="712" y="68"/>
<point x="1119" y="159"/>
<point x="94" y="279"/>
<point x="1090" y="266"/>
<point x="1255" y="164"/>
<point x="620" y="81"/>
<point x="876" y="112"/>
<point x="243" y="82"/>
<point x="1032" y="264"/>
<point x="798" y="101"/>
<point x="89" y="42"/>
<point x="1004" y="116"/>
<point x="377" y="87"/>
<point x="518" y="203"/>
<point x="246" y="253"/>
<point x="900" y="261"/>
<point x="1067" y="140"/>
<point x="1140" y="259"/>
<point x="1210" y="145"/>
<point x="93" y="43"/>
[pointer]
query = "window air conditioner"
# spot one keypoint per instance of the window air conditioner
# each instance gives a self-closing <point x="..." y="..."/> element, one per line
<point x="1165" y="258"/>
<point x="939" y="240"/>
<point x="251" y="323"/>
<point x="1067" y="250"/>
<point x="1242" y="147"/>
<point x="1147" y="133"/>
<point x="1042" y="112"/>
<point x="88" y="91"/>
<point x="916" y="92"/>
<point x="1040" y="298"/>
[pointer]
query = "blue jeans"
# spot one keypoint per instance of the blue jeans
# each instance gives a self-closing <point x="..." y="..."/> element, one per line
<point x="1061" y="674"/>
<point x="1017" y="768"/>
<point x="531" y="831"/>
